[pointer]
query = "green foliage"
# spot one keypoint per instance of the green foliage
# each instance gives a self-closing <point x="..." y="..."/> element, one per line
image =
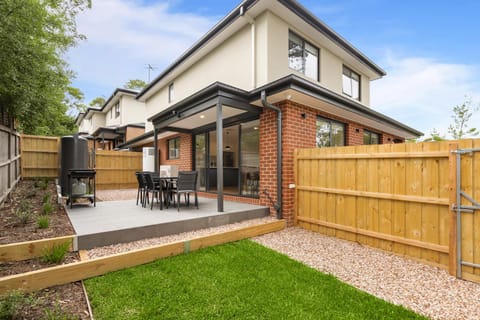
<point x="34" y="78"/>
<point x="24" y="212"/>
<point x="56" y="253"/>
<point x="11" y="305"/>
<point x="461" y="116"/>
<point x="98" y="102"/>
<point x="46" y="197"/>
<point x="135" y="84"/>
<point x="43" y="222"/>
<point x="232" y="281"/>
<point x="47" y="208"/>
<point x="434" y="136"/>
<point x="41" y="184"/>
<point x="58" y="314"/>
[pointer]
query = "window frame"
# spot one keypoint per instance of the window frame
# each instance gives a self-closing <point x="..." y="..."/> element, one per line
<point x="330" y="121"/>
<point x="370" y="133"/>
<point x="304" y="43"/>
<point x="171" y="92"/>
<point x="176" y="148"/>
<point x="117" y="109"/>
<point x="350" y="75"/>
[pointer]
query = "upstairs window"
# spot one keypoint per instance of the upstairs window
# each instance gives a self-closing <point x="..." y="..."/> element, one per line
<point x="173" y="148"/>
<point x="351" y="83"/>
<point x="370" y="137"/>
<point x="302" y="56"/>
<point x="117" y="109"/>
<point x="170" y="93"/>
<point x="330" y="133"/>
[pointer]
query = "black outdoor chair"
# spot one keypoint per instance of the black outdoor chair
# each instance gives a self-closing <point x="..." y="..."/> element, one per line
<point x="186" y="184"/>
<point x="142" y="188"/>
<point x="153" y="188"/>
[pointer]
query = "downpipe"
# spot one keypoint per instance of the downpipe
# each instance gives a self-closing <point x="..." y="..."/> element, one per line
<point x="278" y="205"/>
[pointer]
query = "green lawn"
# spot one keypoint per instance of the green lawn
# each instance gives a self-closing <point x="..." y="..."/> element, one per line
<point x="241" y="280"/>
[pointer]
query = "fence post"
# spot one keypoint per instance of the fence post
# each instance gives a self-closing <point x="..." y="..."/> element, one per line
<point x="452" y="176"/>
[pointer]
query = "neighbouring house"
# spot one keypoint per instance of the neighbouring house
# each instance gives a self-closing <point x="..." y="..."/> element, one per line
<point x="268" y="78"/>
<point x="120" y="119"/>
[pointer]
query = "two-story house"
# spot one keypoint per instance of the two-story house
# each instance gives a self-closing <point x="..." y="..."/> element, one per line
<point x="121" y="118"/>
<point x="268" y="78"/>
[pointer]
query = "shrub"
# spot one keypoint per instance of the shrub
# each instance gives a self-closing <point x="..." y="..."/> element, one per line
<point x="46" y="197"/>
<point x="58" y="314"/>
<point x="12" y="304"/>
<point x="47" y="208"/>
<point x="24" y="216"/>
<point x="56" y="253"/>
<point x="30" y="193"/>
<point x="41" y="184"/>
<point x="43" y="222"/>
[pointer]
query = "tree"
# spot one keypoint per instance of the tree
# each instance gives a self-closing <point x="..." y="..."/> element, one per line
<point x="461" y="115"/>
<point x="98" y="102"/>
<point x="34" y="79"/>
<point x="434" y="136"/>
<point x="135" y="84"/>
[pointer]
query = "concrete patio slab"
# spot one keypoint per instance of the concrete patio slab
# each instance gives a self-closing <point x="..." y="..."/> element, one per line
<point x="113" y="222"/>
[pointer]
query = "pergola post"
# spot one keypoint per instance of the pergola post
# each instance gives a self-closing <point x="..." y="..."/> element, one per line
<point x="219" y="157"/>
<point x="155" y="148"/>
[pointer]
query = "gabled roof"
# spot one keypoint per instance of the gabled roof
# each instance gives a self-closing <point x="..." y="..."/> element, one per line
<point x="117" y="93"/>
<point x="239" y="11"/>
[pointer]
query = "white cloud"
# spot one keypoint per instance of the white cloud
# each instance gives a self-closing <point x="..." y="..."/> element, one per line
<point x="123" y="36"/>
<point x="422" y="92"/>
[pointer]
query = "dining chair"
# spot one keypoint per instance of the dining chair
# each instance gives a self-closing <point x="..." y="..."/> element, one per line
<point x="153" y="188"/>
<point x="186" y="184"/>
<point x="142" y="188"/>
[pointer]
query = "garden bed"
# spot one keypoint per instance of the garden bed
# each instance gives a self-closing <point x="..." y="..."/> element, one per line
<point x="21" y="216"/>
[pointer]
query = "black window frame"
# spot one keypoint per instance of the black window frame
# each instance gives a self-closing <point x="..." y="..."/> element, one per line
<point x="348" y="72"/>
<point x="290" y="32"/>
<point x="176" y="146"/>
<point x="330" y="121"/>
<point x="370" y="133"/>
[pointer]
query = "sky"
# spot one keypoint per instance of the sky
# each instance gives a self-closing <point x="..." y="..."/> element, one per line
<point x="429" y="49"/>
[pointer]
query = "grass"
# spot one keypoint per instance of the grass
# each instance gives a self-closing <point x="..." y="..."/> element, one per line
<point x="241" y="280"/>
<point x="43" y="222"/>
<point x="56" y="253"/>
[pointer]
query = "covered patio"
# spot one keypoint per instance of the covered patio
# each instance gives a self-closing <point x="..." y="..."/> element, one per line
<point x="112" y="222"/>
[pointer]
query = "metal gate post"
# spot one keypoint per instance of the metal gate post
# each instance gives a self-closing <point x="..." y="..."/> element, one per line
<point x="459" y="209"/>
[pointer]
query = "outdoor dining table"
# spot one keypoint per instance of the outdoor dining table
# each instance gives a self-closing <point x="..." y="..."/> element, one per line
<point x="169" y="183"/>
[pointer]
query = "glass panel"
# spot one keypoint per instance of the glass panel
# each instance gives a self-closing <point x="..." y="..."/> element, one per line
<point x="201" y="160"/>
<point x="250" y="170"/>
<point x="366" y="137"/>
<point x="355" y="89"/>
<point x="347" y="85"/>
<point x="375" y="138"/>
<point x="311" y="61"/>
<point x="295" y="53"/>
<point x="338" y="136"/>
<point x="323" y="133"/>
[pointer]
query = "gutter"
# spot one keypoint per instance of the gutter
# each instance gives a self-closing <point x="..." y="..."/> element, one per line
<point x="278" y="205"/>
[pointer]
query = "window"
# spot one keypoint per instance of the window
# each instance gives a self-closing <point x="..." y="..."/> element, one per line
<point x="351" y="83"/>
<point x="370" y="137"/>
<point x="302" y="56"/>
<point x="170" y="93"/>
<point x="330" y="133"/>
<point x="174" y="148"/>
<point x="117" y="109"/>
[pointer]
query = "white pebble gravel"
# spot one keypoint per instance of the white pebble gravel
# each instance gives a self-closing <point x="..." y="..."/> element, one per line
<point x="426" y="290"/>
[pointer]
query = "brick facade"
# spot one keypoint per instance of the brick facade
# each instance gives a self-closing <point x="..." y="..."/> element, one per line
<point x="299" y="131"/>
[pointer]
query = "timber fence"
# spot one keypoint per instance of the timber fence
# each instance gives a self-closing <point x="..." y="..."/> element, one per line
<point x="9" y="155"/>
<point x="401" y="198"/>
<point x="115" y="169"/>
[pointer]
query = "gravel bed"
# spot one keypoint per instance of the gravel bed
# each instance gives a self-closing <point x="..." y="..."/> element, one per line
<point x="424" y="289"/>
<point x="124" y="247"/>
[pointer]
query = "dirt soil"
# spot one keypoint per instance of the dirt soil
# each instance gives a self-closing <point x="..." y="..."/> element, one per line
<point x="69" y="298"/>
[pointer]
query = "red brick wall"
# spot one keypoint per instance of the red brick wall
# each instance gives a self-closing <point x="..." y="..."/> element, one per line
<point x="299" y="129"/>
<point x="185" y="160"/>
